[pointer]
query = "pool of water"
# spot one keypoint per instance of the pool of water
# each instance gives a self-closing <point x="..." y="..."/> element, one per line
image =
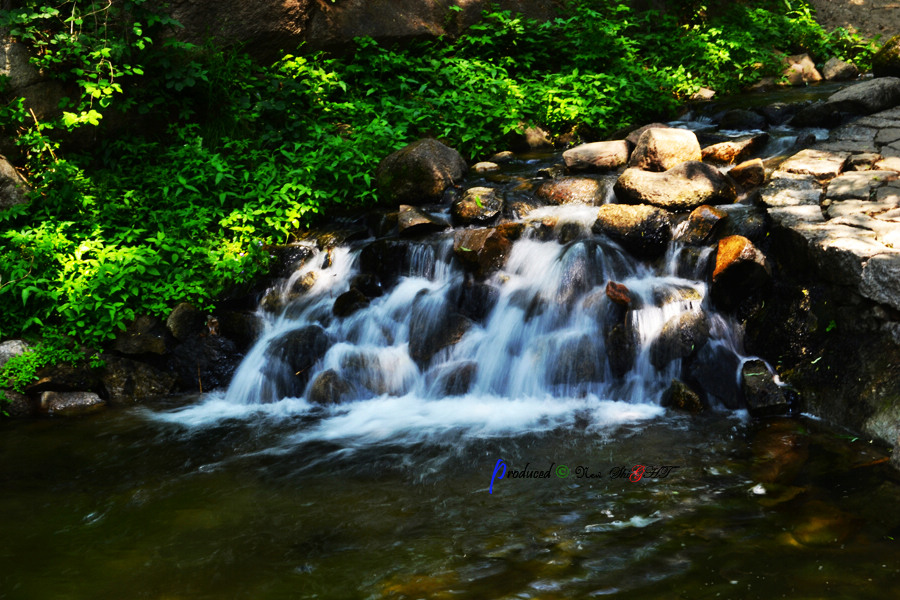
<point x="132" y="504"/>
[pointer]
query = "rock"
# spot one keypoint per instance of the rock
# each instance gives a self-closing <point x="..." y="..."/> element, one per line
<point x="715" y="369"/>
<point x="479" y="205"/>
<point x="289" y="258"/>
<point x="837" y="70"/>
<point x="205" y="363"/>
<point x="485" y="167"/>
<point x="681" y="397"/>
<point x="185" y="322"/>
<point x="702" y="225"/>
<point x="329" y="388"/>
<point x="732" y="151"/>
<point x="454" y="379"/>
<point x="780" y="450"/>
<point x="11" y="348"/>
<point x="881" y="279"/>
<point x="621" y="348"/>
<point x="823" y="165"/>
<point x="886" y="62"/>
<point x="577" y="360"/>
<point x="15" y="63"/>
<point x="749" y="174"/>
<point x="572" y="190"/>
<point x="128" y="381"/>
<point x="243" y="328"/>
<point x="778" y="113"/>
<point x="680" y="337"/>
<point x="703" y="95"/>
<point x="481" y="250"/>
<point x="70" y="404"/>
<point x="412" y="221"/>
<point x="824" y="525"/>
<point x="13" y="189"/>
<point x="662" y="149"/>
<point x="144" y="335"/>
<point x="474" y="299"/>
<point x="530" y="139"/>
<point x="862" y="162"/>
<point x="420" y="172"/>
<point x="740" y="269"/>
<point x="291" y="357"/>
<point x="619" y="293"/>
<point x="386" y="259"/>
<point x="597" y="156"/>
<point x="818" y="114"/>
<point x="503" y="157"/>
<point x="764" y="397"/>
<point x="429" y="333"/>
<point x="745" y="220"/>
<point x="349" y="302"/>
<point x="64" y="377"/>
<point x="17" y="406"/>
<point x="636" y="134"/>
<point x="867" y="97"/>
<point x="801" y="70"/>
<point x="742" y="120"/>
<point x="644" y="231"/>
<point x="685" y="187"/>
<point x="858" y="185"/>
<point x="787" y="189"/>
<point x="44" y="98"/>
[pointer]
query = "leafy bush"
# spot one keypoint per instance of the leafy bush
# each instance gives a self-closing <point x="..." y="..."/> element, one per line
<point x="204" y="158"/>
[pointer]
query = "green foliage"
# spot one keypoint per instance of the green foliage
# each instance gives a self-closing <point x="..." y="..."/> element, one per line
<point x="209" y="157"/>
<point x="21" y="370"/>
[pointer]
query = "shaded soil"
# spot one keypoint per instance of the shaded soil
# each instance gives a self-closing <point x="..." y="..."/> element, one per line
<point x="869" y="18"/>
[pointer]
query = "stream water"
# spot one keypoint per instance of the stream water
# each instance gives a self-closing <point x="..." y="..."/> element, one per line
<point x="513" y="461"/>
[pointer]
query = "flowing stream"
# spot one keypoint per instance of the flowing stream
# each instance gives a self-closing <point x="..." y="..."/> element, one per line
<point x="490" y="442"/>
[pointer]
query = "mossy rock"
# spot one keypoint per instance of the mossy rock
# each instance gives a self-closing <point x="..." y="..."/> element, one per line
<point x="886" y="62"/>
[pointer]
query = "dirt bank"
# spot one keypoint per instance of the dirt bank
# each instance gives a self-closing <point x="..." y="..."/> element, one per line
<point x="869" y="18"/>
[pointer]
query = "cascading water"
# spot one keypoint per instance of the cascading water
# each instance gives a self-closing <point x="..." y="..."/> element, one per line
<point x="437" y="351"/>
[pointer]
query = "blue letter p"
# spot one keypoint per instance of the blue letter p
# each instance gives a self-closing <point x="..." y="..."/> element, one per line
<point x="499" y="464"/>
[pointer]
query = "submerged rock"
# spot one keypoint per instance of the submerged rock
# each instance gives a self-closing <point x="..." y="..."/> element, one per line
<point x="661" y="149"/>
<point x="682" y="188"/>
<point x="420" y="172"/>
<point x="329" y="388"/>
<point x="644" y="231"/>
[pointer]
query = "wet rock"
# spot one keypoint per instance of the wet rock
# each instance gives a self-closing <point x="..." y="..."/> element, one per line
<point x="742" y="120"/>
<point x="127" y="381"/>
<point x="429" y="334"/>
<point x="867" y="97"/>
<point x="144" y="335"/>
<point x="715" y="369"/>
<point x="572" y="190"/>
<point x="681" y="336"/>
<point x="64" y="377"/>
<point x="886" y="62"/>
<point x="481" y="251"/>
<point x="597" y="156"/>
<point x="412" y="221"/>
<point x="299" y="350"/>
<point x="70" y="404"/>
<point x="205" y="363"/>
<point x="329" y="388"/>
<point x="241" y="327"/>
<point x="479" y="205"/>
<point x="454" y="379"/>
<point x="837" y="70"/>
<point x="740" y="270"/>
<point x="475" y="300"/>
<point x="644" y="231"/>
<point x="552" y="172"/>
<point x="680" y="396"/>
<point x="13" y="189"/>
<point x="11" y="348"/>
<point x="304" y="283"/>
<point x="17" y="406"/>
<point x="764" y="397"/>
<point x="745" y="220"/>
<point x="420" y="172"/>
<point x="365" y="369"/>
<point x="577" y="360"/>
<point x="821" y="164"/>
<point x="778" y="113"/>
<point x="503" y="157"/>
<point x="185" y="321"/>
<point x="619" y="294"/>
<point x="801" y="70"/>
<point x="818" y="114"/>
<point x="702" y="225"/>
<point x="621" y="348"/>
<point x="749" y="174"/>
<point x="682" y="188"/>
<point x="369" y="285"/>
<point x="662" y="149"/>
<point x="348" y="303"/>
<point x="733" y="151"/>
<point x="485" y="167"/>
<point x="385" y="259"/>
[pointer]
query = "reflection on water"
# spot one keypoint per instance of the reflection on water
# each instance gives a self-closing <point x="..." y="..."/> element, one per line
<point x="258" y="507"/>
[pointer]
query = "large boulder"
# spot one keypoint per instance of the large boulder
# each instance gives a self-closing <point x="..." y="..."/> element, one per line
<point x="886" y="62"/>
<point x="205" y="363"/>
<point x="291" y="356"/>
<point x="597" y="156"/>
<point x="481" y="250"/>
<point x="867" y="97"/>
<point x="681" y="188"/>
<point x="453" y="379"/>
<point x="644" y="231"/>
<point x="429" y="333"/>
<point x="420" y="172"/>
<point x="660" y="149"/>
<point x="13" y="189"/>
<point x="572" y="190"/>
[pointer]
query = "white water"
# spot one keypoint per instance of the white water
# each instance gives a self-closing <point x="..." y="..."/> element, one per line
<point x="536" y="361"/>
